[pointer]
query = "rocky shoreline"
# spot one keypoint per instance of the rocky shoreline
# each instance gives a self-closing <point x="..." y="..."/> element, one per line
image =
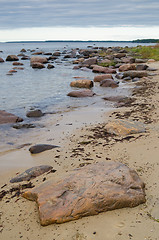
<point x="127" y="135"/>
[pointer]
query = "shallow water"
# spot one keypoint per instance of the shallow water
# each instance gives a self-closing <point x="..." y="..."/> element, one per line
<point x="45" y="89"/>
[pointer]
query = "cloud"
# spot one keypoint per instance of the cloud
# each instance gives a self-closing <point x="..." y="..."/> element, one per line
<point x="83" y="13"/>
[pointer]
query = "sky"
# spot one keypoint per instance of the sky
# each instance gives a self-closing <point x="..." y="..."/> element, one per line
<point x="78" y="20"/>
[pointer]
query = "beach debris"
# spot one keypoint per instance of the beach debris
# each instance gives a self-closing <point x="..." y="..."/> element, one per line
<point x="22" y="126"/>
<point x="109" y="83"/>
<point x="12" y="58"/>
<point x="31" y="173"/>
<point x="99" y="78"/>
<point x="135" y="73"/>
<point x="34" y="113"/>
<point x="82" y="83"/>
<point x="88" y="191"/>
<point x="124" y="128"/>
<point x="81" y="93"/>
<point x="6" y="117"/>
<point x="15" y="191"/>
<point x="41" y="148"/>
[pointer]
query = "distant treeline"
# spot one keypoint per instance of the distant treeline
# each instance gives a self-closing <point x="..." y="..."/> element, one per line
<point x="146" y="41"/>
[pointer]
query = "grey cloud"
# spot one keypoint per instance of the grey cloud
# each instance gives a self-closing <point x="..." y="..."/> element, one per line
<point x="52" y="13"/>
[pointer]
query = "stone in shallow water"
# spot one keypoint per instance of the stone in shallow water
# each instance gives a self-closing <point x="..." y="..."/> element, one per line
<point x="88" y="191"/>
<point x="6" y="117"/>
<point x="124" y="128"/>
<point x="31" y="173"/>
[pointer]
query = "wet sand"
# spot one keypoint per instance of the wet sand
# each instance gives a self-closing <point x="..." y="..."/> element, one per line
<point x="19" y="217"/>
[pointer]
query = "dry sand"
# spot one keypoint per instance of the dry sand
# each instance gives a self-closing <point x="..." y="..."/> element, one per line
<point x="85" y="144"/>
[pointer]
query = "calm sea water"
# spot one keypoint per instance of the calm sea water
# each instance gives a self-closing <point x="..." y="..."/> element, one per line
<point x="44" y="89"/>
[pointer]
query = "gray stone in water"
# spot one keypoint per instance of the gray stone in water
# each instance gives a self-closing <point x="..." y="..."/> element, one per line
<point x="31" y="173"/>
<point x="34" y="113"/>
<point x="41" y="148"/>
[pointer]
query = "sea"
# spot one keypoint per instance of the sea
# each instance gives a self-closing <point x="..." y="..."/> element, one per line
<point x="47" y="89"/>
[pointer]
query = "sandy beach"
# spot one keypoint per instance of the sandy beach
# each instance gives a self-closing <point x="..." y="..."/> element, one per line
<point x="78" y="130"/>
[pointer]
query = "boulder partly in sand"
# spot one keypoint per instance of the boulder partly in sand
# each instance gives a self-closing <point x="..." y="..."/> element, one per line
<point x="124" y="128"/>
<point x="88" y="191"/>
<point x="41" y="148"/>
<point x="31" y="173"/>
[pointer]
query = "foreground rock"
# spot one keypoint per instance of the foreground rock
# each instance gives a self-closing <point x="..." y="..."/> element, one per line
<point x="6" y="117"/>
<point x="31" y="173"/>
<point x="88" y="191"/>
<point x="82" y="83"/>
<point x="41" y="148"/>
<point x="81" y="93"/>
<point x="124" y="128"/>
<point x="108" y="83"/>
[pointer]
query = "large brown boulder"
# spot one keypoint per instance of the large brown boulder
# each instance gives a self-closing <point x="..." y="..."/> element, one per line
<point x="88" y="191"/>
<point x="38" y="59"/>
<point x="108" y="83"/>
<point x="31" y="173"/>
<point x="124" y="128"/>
<point x="81" y="93"/>
<point x="134" y="74"/>
<point x="12" y="58"/>
<point x="99" y="78"/>
<point x="127" y="67"/>
<point x="82" y="83"/>
<point x="6" y="117"/>
<point x="99" y="69"/>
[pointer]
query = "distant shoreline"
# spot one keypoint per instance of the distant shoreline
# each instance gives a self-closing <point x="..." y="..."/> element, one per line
<point x="89" y="41"/>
